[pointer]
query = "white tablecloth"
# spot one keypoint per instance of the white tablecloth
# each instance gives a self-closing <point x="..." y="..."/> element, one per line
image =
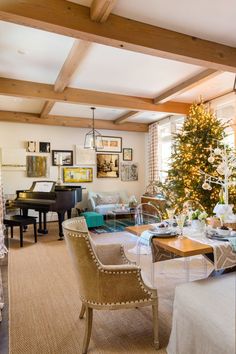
<point x="204" y="317"/>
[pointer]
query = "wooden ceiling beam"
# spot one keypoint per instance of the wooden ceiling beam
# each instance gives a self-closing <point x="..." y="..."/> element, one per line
<point x="101" y="9"/>
<point x="186" y="85"/>
<point x="69" y="19"/>
<point x="30" y="118"/>
<point x="46" y="92"/>
<point x="125" y="117"/>
<point x="46" y="109"/>
<point x="75" y="58"/>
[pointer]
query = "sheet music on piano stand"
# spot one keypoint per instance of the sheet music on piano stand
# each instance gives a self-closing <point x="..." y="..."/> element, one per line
<point x="43" y="186"/>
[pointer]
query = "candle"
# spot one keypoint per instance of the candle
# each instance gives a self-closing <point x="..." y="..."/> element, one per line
<point x="59" y="159"/>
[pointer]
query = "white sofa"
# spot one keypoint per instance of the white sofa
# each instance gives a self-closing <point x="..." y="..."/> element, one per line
<point x="103" y="202"/>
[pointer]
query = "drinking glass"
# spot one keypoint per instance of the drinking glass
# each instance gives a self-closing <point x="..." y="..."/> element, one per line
<point x="171" y="214"/>
<point x="180" y="219"/>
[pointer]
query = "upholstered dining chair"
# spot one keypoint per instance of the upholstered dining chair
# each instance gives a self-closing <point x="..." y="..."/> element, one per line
<point x="107" y="280"/>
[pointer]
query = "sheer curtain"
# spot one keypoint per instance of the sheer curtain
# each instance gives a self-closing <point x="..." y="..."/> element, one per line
<point x="153" y="152"/>
<point x="3" y="248"/>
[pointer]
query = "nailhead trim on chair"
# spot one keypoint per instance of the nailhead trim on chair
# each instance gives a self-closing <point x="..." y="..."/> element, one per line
<point x="84" y="235"/>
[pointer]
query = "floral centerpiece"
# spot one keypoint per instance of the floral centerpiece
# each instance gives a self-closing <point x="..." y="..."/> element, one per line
<point x="198" y="218"/>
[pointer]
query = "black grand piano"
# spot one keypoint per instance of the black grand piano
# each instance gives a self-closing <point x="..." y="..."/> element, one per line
<point x="45" y="196"/>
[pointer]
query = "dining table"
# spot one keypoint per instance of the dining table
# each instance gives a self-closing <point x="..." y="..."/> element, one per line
<point x="218" y="252"/>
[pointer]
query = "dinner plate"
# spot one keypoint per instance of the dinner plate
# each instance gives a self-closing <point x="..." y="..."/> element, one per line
<point x="218" y="238"/>
<point x="164" y="235"/>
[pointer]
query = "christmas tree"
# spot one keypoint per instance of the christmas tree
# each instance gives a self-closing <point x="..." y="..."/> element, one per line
<point x="201" y="132"/>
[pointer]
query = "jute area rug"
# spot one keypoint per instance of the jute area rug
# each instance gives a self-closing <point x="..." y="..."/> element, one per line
<point x="45" y="304"/>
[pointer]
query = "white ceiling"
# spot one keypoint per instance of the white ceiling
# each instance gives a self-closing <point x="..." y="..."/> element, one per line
<point x="35" y="55"/>
<point x="114" y="70"/>
<point x="211" y="88"/>
<point x="17" y="104"/>
<point x="75" y="110"/>
<point x="31" y="54"/>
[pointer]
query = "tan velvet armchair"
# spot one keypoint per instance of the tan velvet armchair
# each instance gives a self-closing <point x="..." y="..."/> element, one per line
<point x="107" y="280"/>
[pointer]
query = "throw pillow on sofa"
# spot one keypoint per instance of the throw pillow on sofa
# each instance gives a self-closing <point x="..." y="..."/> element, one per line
<point x="108" y="199"/>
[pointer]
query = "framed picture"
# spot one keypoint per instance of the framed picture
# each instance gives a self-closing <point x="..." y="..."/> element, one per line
<point x="84" y="156"/>
<point x="110" y="144"/>
<point x="37" y="166"/>
<point x="127" y="154"/>
<point x="44" y="147"/>
<point x="107" y="165"/>
<point x="77" y="174"/>
<point x="129" y="172"/>
<point x="31" y="146"/>
<point x="62" y="157"/>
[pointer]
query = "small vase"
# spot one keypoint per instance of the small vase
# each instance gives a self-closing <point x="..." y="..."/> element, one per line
<point x="197" y="225"/>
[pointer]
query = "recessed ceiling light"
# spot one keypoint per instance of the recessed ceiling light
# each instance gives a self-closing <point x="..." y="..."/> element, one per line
<point x="21" y="51"/>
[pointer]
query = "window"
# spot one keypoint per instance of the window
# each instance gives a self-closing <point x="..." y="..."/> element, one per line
<point x="167" y="128"/>
<point x="225" y="110"/>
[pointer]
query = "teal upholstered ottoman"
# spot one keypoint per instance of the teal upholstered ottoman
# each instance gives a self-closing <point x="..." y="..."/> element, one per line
<point x="93" y="219"/>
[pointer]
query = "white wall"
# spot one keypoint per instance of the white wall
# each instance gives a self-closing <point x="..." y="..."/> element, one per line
<point x="13" y="135"/>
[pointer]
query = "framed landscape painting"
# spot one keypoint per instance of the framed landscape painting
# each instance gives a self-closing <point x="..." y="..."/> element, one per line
<point x="77" y="174"/>
<point x="107" y="165"/>
<point x="110" y="144"/>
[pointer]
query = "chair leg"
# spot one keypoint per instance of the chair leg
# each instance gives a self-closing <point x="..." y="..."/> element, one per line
<point x="35" y="233"/>
<point x="88" y="329"/>
<point x="82" y="311"/>
<point x="11" y="231"/>
<point x="21" y="236"/>
<point x="155" y="326"/>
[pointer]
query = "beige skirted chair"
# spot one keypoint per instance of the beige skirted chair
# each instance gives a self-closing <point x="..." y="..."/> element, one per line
<point x="107" y="280"/>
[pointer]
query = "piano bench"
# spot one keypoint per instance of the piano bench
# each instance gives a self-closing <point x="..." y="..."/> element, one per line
<point x="21" y="221"/>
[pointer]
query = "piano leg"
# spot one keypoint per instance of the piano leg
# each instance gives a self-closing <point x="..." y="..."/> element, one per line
<point x="69" y="213"/>
<point x="61" y="218"/>
<point x="44" y="229"/>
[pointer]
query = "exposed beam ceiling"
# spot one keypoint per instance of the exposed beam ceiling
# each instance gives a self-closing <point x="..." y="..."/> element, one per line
<point x="74" y="59"/>
<point x="125" y="117"/>
<point x="29" y="89"/>
<point x="99" y="12"/>
<point x="30" y="118"/>
<point x="73" y="20"/>
<point x="46" y="108"/>
<point x="186" y="85"/>
<point x="101" y="9"/>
